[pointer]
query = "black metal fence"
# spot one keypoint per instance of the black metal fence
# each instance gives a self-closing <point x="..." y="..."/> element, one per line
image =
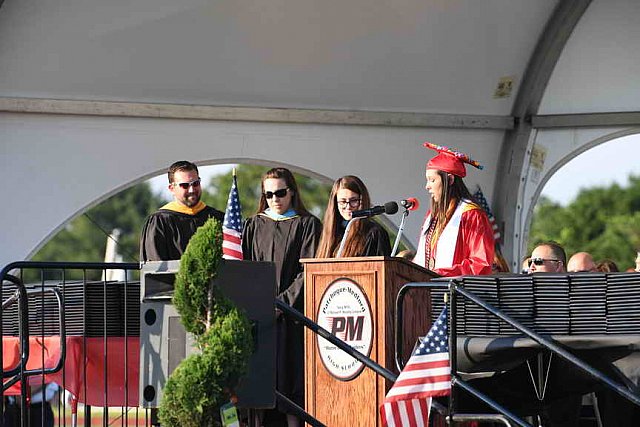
<point x="459" y="295"/>
<point x="70" y="344"/>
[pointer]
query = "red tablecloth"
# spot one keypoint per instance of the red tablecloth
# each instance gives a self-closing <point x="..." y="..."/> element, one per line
<point x="86" y="366"/>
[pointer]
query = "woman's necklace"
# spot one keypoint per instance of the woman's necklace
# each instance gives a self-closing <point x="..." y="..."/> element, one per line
<point x="429" y="261"/>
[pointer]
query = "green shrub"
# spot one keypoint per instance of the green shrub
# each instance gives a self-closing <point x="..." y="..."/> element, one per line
<point x="203" y="382"/>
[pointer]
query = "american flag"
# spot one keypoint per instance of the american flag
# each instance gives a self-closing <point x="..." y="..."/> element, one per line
<point x="232" y="227"/>
<point x="482" y="201"/>
<point x="427" y="374"/>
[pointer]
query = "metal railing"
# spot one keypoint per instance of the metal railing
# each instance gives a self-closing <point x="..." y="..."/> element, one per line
<point x="41" y="312"/>
<point x="319" y="330"/>
<point x="454" y="290"/>
<point x="59" y="288"/>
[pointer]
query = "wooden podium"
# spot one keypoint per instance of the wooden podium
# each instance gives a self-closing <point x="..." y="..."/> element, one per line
<point x="354" y="298"/>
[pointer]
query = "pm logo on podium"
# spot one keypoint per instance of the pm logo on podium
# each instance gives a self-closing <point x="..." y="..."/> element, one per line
<point x="345" y="311"/>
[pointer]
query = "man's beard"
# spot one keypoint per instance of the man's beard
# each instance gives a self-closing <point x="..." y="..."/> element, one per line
<point x="191" y="200"/>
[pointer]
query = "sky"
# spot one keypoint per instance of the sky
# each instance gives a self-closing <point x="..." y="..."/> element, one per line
<point x="599" y="166"/>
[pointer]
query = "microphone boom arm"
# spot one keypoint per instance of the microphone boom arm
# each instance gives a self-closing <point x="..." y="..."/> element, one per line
<point x="405" y="214"/>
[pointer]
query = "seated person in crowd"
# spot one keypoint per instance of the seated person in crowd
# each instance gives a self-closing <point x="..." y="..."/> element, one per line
<point x="548" y="257"/>
<point x="500" y="264"/>
<point x="607" y="266"/>
<point x="581" y="262"/>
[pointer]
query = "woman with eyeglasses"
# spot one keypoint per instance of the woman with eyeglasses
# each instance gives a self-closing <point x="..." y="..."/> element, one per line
<point x="365" y="238"/>
<point x="282" y="232"/>
<point x="456" y="238"/>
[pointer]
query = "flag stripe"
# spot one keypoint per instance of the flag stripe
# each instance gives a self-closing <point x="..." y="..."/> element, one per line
<point x="397" y="420"/>
<point x="438" y="389"/>
<point x="418" y="415"/>
<point x="425" y="404"/>
<point x="420" y="373"/>
<point x="232" y="254"/>
<point x="404" y="417"/>
<point x="425" y="358"/>
<point x="411" y="413"/>
<point x="231" y="236"/>
<point x="232" y="246"/>
<point x="422" y="366"/>
<point x="433" y="378"/>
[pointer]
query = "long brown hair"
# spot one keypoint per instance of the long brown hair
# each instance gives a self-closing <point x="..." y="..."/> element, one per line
<point x="296" y="200"/>
<point x="329" y="242"/>
<point x="451" y="194"/>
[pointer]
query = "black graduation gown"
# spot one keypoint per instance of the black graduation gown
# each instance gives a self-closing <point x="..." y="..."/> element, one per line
<point x="284" y="243"/>
<point x="166" y="233"/>
<point x="376" y="240"/>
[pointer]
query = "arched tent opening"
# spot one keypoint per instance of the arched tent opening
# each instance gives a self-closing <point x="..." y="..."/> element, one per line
<point x="560" y="172"/>
<point x="101" y="217"/>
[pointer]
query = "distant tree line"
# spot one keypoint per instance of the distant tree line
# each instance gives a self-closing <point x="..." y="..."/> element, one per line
<point x="604" y="221"/>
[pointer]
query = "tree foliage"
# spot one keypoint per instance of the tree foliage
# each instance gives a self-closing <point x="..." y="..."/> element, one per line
<point x="604" y="221"/>
<point x="84" y="238"/>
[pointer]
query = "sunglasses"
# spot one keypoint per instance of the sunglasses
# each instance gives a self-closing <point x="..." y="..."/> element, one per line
<point x="278" y="193"/>
<point x="186" y="185"/>
<point x="540" y="261"/>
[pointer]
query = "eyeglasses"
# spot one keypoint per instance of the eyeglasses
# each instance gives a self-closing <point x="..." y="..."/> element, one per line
<point x="540" y="261"/>
<point x="354" y="203"/>
<point x="186" y="185"/>
<point x="278" y="193"/>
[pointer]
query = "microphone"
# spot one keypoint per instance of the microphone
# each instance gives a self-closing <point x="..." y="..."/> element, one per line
<point x="410" y="204"/>
<point x="388" y="208"/>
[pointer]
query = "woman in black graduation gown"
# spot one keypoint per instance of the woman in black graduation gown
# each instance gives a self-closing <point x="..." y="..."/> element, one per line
<point x="366" y="237"/>
<point x="283" y="231"/>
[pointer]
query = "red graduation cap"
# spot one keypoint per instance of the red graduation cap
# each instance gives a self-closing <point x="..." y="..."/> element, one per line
<point x="450" y="160"/>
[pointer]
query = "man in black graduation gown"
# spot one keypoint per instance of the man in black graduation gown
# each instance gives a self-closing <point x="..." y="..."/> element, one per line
<point x="166" y="233"/>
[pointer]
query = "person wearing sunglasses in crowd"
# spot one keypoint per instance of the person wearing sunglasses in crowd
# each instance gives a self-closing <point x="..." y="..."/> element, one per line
<point x="365" y="238"/>
<point x="167" y="231"/>
<point x="282" y="232"/>
<point x="548" y="257"/>
<point x="456" y="237"/>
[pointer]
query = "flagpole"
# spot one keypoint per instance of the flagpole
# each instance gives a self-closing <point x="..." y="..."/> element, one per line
<point x="232" y="226"/>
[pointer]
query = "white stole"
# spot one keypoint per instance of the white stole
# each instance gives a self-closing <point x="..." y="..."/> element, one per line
<point x="446" y="245"/>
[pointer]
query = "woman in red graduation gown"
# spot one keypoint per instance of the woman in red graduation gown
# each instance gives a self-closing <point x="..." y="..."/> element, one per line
<point x="456" y="237"/>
